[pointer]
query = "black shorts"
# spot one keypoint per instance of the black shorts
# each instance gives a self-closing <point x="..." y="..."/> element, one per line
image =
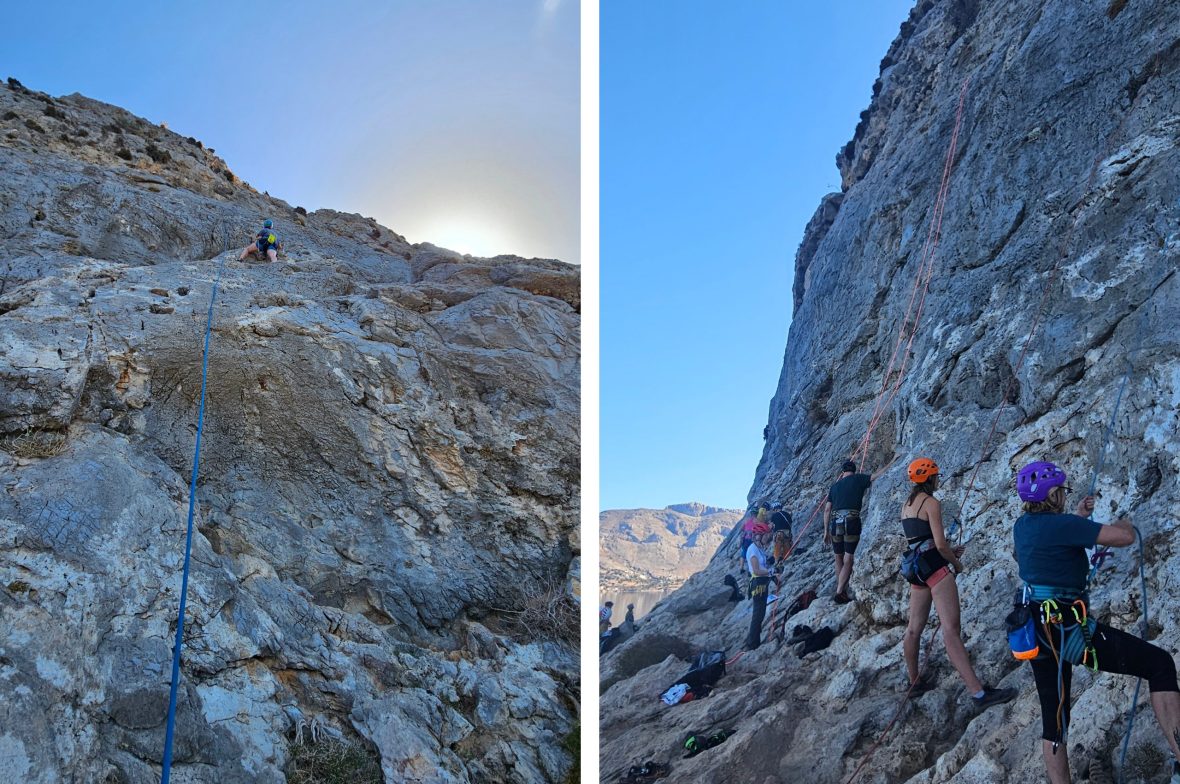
<point x="1117" y="652"/>
<point x="845" y="533"/>
<point x="263" y="247"/>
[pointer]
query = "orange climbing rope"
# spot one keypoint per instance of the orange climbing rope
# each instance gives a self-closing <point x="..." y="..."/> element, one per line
<point x="917" y="295"/>
<point x="925" y="273"/>
<point x="923" y="277"/>
<point x="1067" y="239"/>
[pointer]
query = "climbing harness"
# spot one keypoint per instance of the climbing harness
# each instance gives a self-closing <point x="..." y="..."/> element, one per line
<point x="1074" y="646"/>
<point x="188" y="541"/>
<point x="920" y="561"/>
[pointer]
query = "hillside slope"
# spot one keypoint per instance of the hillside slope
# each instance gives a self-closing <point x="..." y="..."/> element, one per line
<point x="1066" y="180"/>
<point x="390" y="453"/>
<point x="645" y="548"/>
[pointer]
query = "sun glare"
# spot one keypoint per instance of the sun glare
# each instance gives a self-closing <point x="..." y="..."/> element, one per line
<point x="468" y="235"/>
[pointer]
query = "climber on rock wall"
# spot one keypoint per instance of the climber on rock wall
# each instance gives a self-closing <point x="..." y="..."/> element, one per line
<point x="842" y="521"/>
<point x="780" y="520"/>
<point x="759" y="567"/>
<point x="927" y="566"/>
<point x="266" y="244"/>
<point x="1051" y="554"/>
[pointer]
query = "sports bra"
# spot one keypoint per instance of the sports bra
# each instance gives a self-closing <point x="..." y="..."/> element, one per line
<point x="916" y="529"/>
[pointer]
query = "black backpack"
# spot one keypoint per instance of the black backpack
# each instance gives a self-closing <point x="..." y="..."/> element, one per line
<point x="706" y="670"/>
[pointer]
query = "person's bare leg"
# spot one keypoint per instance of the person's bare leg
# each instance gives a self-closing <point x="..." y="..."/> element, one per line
<point x="1167" y="712"/>
<point x="272" y="255"/>
<point x="845" y="575"/>
<point x="839" y="569"/>
<point x="946" y="602"/>
<point x="919" y="613"/>
<point x="1056" y="765"/>
<point x="246" y="252"/>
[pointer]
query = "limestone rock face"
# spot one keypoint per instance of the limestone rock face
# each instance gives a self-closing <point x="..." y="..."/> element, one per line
<point x="390" y="453"/>
<point x="641" y="548"/>
<point x="1054" y="88"/>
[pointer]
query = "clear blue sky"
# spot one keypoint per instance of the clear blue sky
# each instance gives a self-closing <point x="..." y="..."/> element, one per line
<point x="450" y="121"/>
<point x="720" y="127"/>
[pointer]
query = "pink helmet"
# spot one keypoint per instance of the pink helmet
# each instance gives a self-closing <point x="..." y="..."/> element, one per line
<point x="759" y="528"/>
<point x="1035" y="480"/>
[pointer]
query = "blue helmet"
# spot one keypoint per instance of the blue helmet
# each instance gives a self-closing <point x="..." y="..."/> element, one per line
<point x="266" y="224"/>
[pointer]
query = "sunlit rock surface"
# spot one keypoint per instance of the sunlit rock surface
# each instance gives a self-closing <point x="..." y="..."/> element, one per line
<point x="389" y="460"/>
<point x="1054" y="87"/>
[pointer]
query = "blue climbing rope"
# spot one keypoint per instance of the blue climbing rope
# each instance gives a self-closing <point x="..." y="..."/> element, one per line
<point x="188" y="542"/>
<point x="1138" y="681"/>
<point x="1101" y="553"/>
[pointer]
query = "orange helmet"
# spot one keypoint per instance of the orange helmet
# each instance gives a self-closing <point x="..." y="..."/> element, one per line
<point x="922" y="469"/>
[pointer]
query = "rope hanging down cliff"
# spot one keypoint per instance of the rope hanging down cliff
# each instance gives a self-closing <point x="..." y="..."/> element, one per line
<point x="1066" y="241"/>
<point x="188" y="541"/>
<point x="1102" y="552"/>
<point x="921" y="284"/>
<point x="932" y="242"/>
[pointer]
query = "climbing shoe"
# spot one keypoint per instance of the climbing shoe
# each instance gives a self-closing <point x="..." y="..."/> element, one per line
<point x="1099" y="773"/>
<point x="649" y="771"/>
<point x="842" y="598"/>
<point x="994" y="697"/>
<point x="799" y="634"/>
<point x="924" y="684"/>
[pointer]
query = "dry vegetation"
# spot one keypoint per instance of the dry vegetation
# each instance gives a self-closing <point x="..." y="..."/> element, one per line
<point x="546" y="612"/>
<point x="331" y="761"/>
<point x="34" y="443"/>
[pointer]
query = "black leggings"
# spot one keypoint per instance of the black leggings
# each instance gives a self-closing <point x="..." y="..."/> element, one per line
<point x="1118" y="652"/>
<point x="759" y="586"/>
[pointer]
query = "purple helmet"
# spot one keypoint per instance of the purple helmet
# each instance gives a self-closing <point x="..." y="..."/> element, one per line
<point x="1035" y="480"/>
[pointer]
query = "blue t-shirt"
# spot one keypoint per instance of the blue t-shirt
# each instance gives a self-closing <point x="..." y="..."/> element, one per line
<point x="1051" y="549"/>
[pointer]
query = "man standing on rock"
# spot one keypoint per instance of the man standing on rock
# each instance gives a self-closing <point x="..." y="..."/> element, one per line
<point x="266" y="243"/>
<point x="756" y="562"/>
<point x="842" y="521"/>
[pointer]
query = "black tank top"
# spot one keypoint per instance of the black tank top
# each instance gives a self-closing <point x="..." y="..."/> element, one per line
<point x="916" y="529"/>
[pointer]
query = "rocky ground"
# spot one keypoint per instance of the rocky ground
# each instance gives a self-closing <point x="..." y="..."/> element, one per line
<point x="387" y="506"/>
<point x="1066" y="179"/>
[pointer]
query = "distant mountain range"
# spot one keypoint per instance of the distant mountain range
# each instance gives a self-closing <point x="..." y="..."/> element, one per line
<point x="660" y="548"/>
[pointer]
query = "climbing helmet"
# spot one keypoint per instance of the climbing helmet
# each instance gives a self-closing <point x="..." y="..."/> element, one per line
<point x="1035" y="480"/>
<point x="922" y="469"/>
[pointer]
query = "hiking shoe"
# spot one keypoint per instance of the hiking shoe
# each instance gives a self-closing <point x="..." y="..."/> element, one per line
<point x="842" y="598"/>
<point x="994" y="697"/>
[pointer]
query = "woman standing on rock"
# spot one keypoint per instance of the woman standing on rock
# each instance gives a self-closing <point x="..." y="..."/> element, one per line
<point x="757" y="563"/>
<point x="1051" y="553"/>
<point x="926" y="566"/>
